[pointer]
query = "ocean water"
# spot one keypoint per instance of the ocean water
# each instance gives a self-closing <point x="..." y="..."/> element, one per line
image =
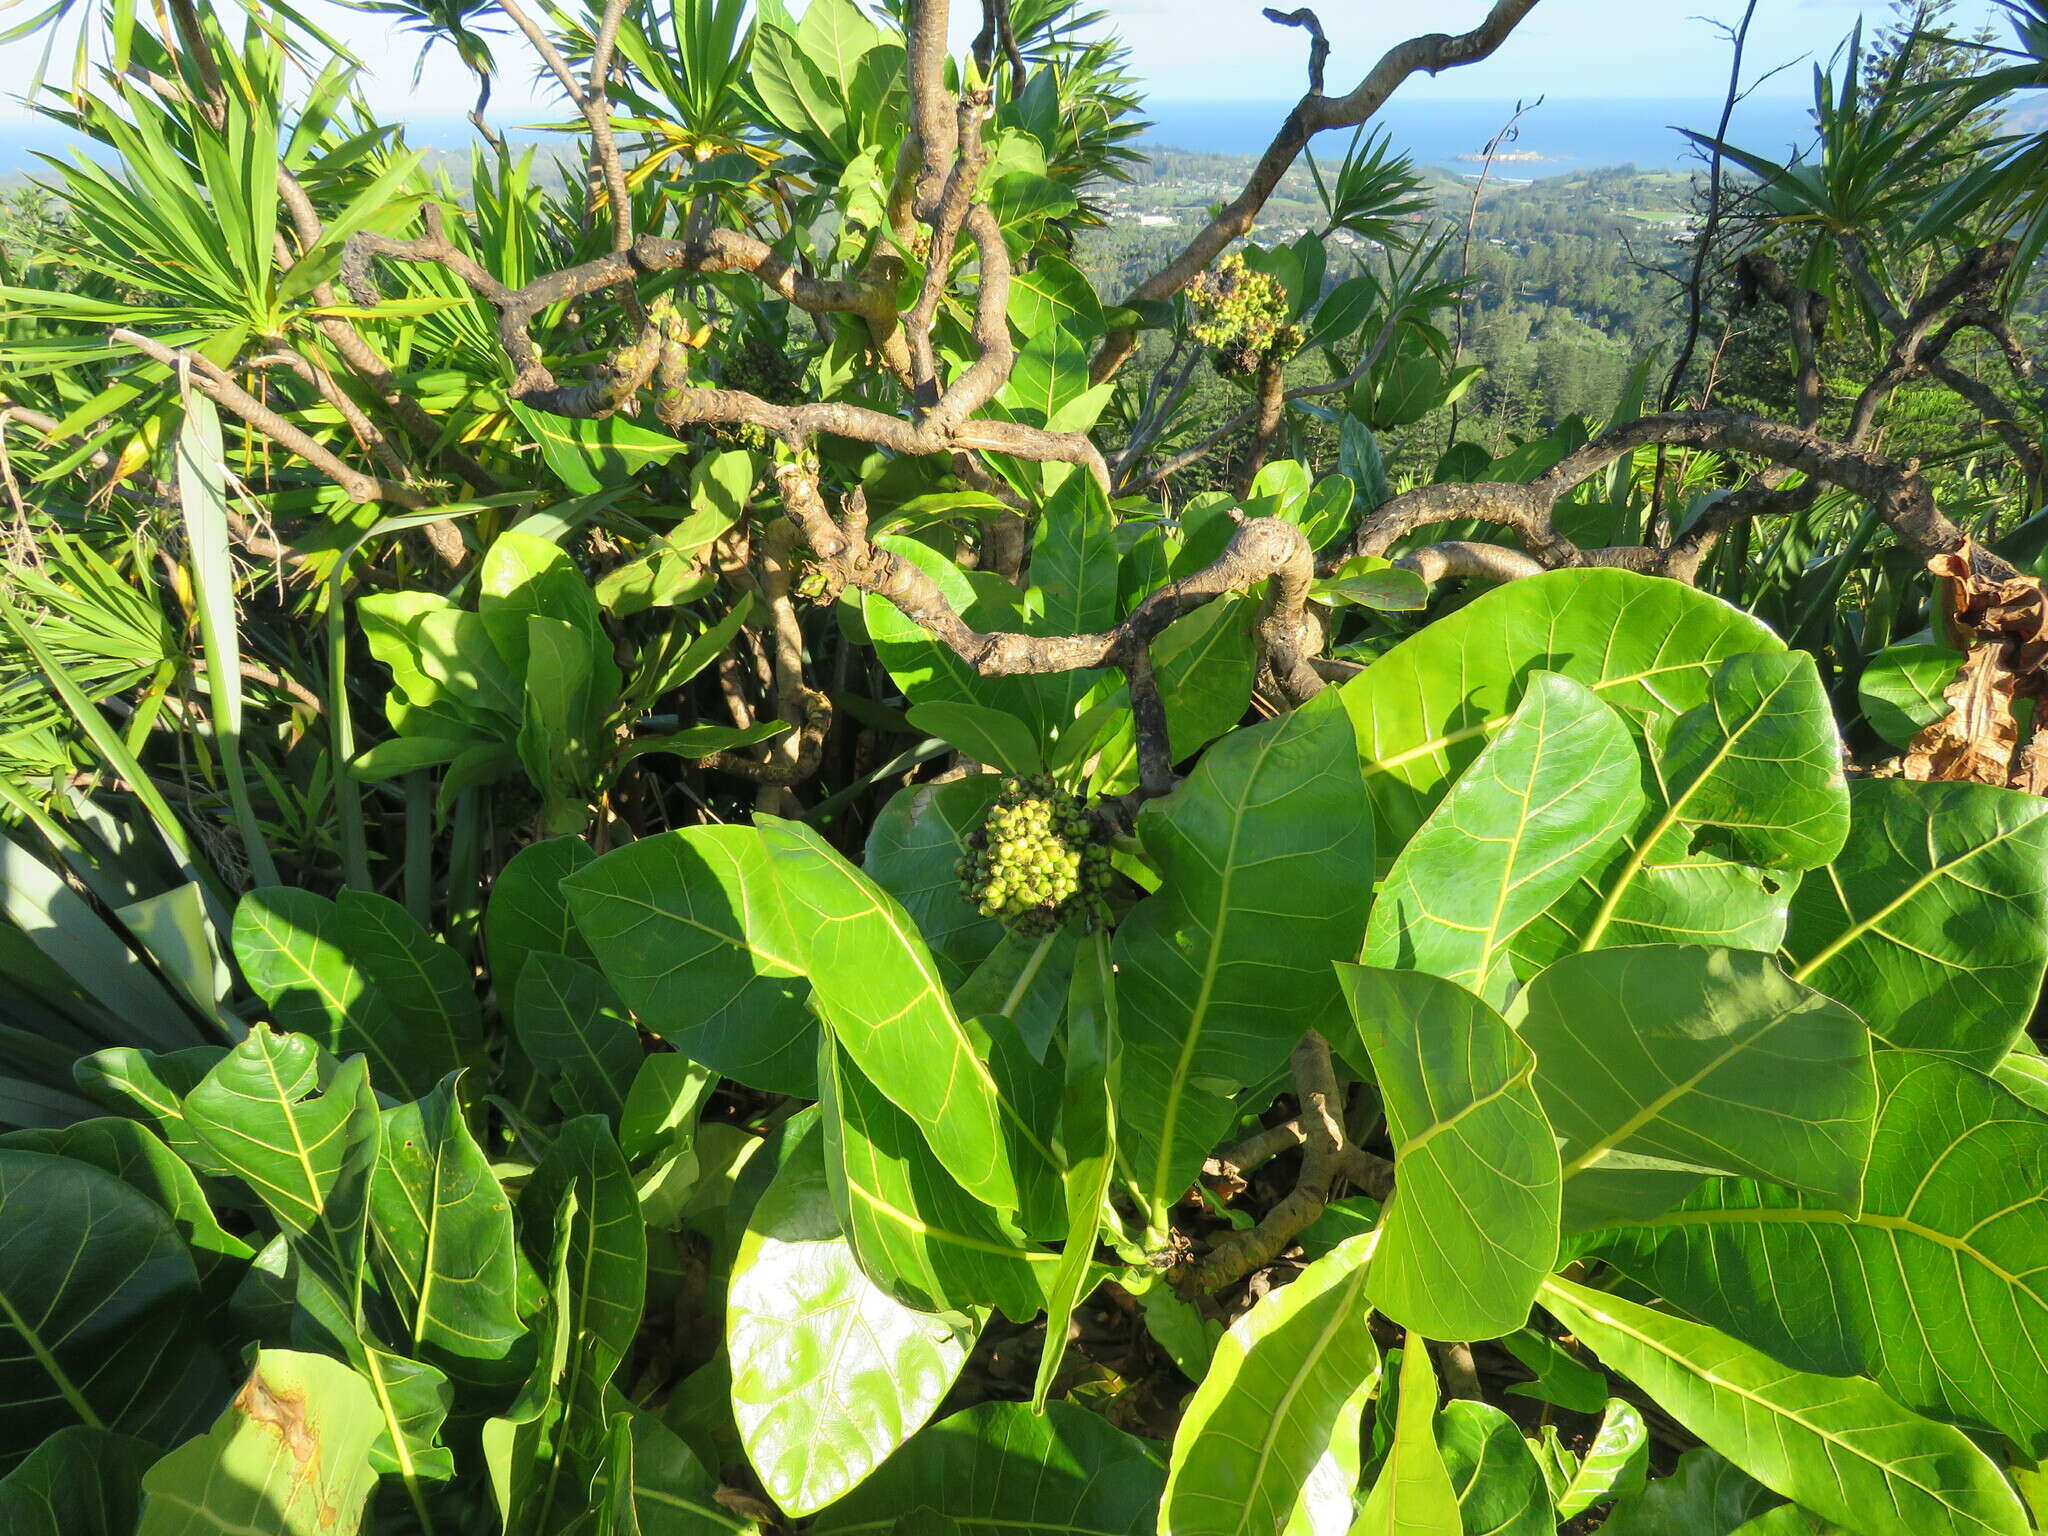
<point x="1451" y="132"/>
<point x="1564" y="135"/>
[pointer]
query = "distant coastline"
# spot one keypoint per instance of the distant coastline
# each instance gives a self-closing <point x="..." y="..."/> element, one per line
<point x="1558" y="137"/>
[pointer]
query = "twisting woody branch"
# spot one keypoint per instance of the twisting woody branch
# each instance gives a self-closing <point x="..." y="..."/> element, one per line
<point x="938" y="205"/>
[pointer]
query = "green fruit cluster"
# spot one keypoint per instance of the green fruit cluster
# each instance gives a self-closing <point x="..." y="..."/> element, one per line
<point x="1038" y="859"/>
<point x="1242" y="316"/>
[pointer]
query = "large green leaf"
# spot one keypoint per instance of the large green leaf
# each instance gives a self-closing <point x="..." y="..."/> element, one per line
<point x="359" y="974"/>
<point x="1708" y="1495"/>
<point x="529" y="914"/>
<point x="917" y="1233"/>
<point x="1701" y="1058"/>
<point x="544" y="1451"/>
<point x="1472" y="1228"/>
<point x="302" y="1132"/>
<point x="570" y="1027"/>
<point x="139" y="1158"/>
<point x="1412" y="1496"/>
<point x="1000" y="1470"/>
<point x="151" y="1086"/>
<point x="1837" y="1445"/>
<point x="877" y="988"/>
<point x="99" y="1309"/>
<point x="1933" y="921"/>
<point x="444" y="1231"/>
<point x="1268" y="837"/>
<point x="1087" y="1142"/>
<point x="830" y="1373"/>
<point x="1543" y="804"/>
<point x="1755" y="769"/>
<point x="1936" y="1288"/>
<point x="1263" y="1415"/>
<point x="1073" y="560"/>
<point x="290" y="1457"/>
<point x="78" y="1482"/>
<point x="1747" y="788"/>
<point x="690" y="928"/>
<point x="1613" y="1465"/>
<point x="913" y="851"/>
<point x="1425" y="709"/>
<point x="1500" y="1488"/>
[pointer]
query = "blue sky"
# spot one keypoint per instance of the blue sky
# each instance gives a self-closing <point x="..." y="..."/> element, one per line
<point x="1198" y="49"/>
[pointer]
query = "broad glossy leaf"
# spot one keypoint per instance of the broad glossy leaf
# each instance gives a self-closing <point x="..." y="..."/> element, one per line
<point x="830" y="1374"/>
<point x="1472" y="1227"/>
<point x="1000" y="1470"/>
<point x="1268" y="836"/>
<point x="528" y="913"/>
<point x="917" y="1233"/>
<point x="99" y="1309"/>
<point x="1329" y="1496"/>
<point x="291" y="948"/>
<point x="152" y="1086"/>
<point x="1074" y="578"/>
<point x="1263" y="1415"/>
<point x="359" y="974"/>
<point x="1755" y="770"/>
<point x="1791" y="1520"/>
<point x="1413" y="1495"/>
<point x="138" y="1158"/>
<point x="1055" y="295"/>
<point x="917" y="840"/>
<point x="570" y="1027"/>
<point x="290" y="1457"/>
<point x="302" y="1133"/>
<point x="444" y="1231"/>
<point x="689" y="926"/>
<point x="920" y="664"/>
<point x="589" y="455"/>
<point x="1933" y="921"/>
<point x="524" y="576"/>
<point x="1708" y="1495"/>
<point x="1614" y="1464"/>
<point x="425" y="982"/>
<point x="1087" y="1142"/>
<point x="559" y="737"/>
<point x="1900" y="689"/>
<point x="876" y="986"/>
<point x="1499" y="1487"/>
<point x="1746" y="790"/>
<point x="1425" y="709"/>
<point x="607" y="1245"/>
<point x="78" y="1482"/>
<point x="1542" y="804"/>
<point x="991" y="736"/>
<point x="1837" y="1445"/>
<point x="1705" y="1058"/>
<point x="543" y="1452"/>
<point x="674" y="1494"/>
<point x="1936" y="1289"/>
<point x="1560" y="1377"/>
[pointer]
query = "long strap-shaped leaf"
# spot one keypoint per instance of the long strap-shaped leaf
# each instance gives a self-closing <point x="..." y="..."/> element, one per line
<point x="1263" y="1415"/>
<point x="1953" y="1226"/>
<point x="1265" y="857"/>
<point x="1837" y="1445"/>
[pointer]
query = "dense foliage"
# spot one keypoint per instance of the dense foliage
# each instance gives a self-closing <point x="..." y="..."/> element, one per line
<point x="695" y="850"/>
